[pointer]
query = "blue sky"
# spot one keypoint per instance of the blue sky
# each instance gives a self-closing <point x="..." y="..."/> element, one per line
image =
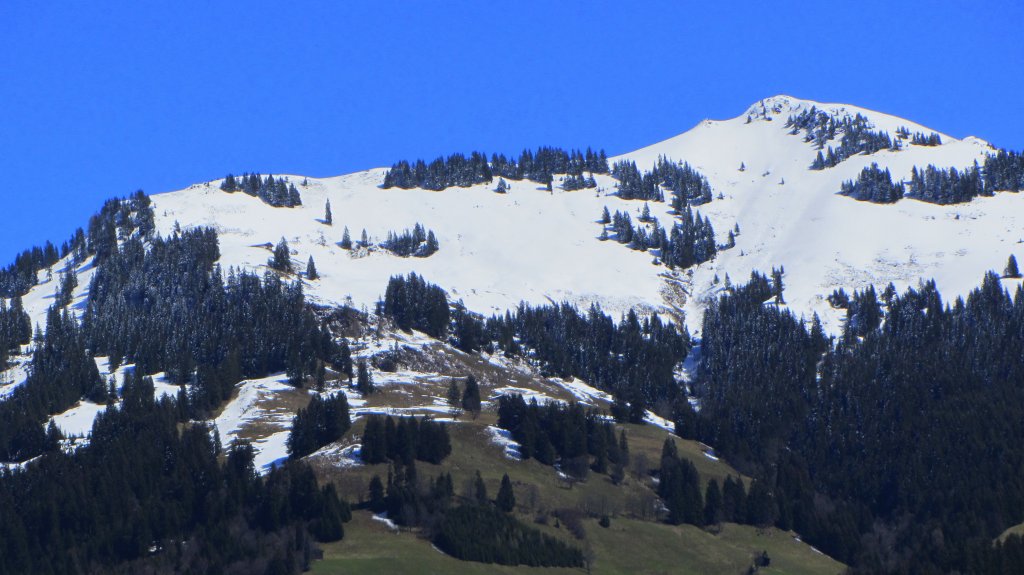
<point x="100" y="99"/>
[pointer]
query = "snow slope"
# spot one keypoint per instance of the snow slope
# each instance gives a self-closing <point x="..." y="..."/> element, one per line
<point x="535" y="246"/>
<point x="824" y="240"/>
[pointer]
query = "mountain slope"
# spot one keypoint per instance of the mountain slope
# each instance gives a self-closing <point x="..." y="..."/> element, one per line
<point x="535" y="246"/>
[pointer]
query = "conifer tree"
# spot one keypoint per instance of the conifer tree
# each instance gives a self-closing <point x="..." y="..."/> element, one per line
<point x="1011" y="270"/>
<point x="761" y="508"/>
<point x="712" y="503"/>
<point x="346" y="240"/>
<point x="282" y="259"/>
<point x="229" y="184"/>
<point x="376" y="494"/>
<point x="471" y="396"/>
<point x="328" y="218"/>
<point x="777" y="285"/>
<point x="364" y="380"/>
<point x="480" y="490"/>
<point x="506" y="499"/>
<point x="311" y="270"/>
<point x="454" y="398"/>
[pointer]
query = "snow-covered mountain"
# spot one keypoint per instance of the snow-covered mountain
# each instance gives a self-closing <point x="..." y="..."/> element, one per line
<point x="540" y="244"/>
<point x="537" y="246"/>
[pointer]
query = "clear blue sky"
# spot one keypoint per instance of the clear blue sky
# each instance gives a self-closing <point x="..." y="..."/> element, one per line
<point x="101" y="99"/>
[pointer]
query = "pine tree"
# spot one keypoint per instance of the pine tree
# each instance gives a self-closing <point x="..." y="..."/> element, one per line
<point x="328" y="218"/>
<point x="480" y="490"/>
<point x="761" y="508"/>
<point x="346" y="240"/>
<point x="282" y="259"/>
<point x="777" y="285"/>
<point x="229" y="184"/>
<point x="506" y="499"/>
<point x="471" y="396"/>
<point x="502" y="186"/>
<point x="454" y="398"/>
<point x="1011" y="270"/>
<point x="364" y="240"/>
<point x="364" y="380"/>
<point x="376" y="494"/>
<point x="311" y="270"/>
<point x="712" y="504"/>
<point x="606" y="218"/>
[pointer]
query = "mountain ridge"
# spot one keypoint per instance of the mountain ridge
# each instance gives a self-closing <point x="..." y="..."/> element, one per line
<point x="776" y="187"/>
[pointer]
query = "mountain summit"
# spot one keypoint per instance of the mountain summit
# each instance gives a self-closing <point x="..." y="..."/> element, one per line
<point x="533" y="245"/>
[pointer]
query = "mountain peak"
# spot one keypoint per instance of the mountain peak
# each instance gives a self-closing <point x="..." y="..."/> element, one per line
<point x="780" y="104"/>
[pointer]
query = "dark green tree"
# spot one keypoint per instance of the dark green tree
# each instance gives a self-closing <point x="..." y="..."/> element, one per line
<point x="282" y="259"/>
<point x="712" y="503"/>
<point x="480" y="490"/>
<point x="471" y="396"/>
<point x="364" y="379"/>
<point x="1011" y="270"/>
<point x="454" y="398"/>
<point x="506" y="499"/>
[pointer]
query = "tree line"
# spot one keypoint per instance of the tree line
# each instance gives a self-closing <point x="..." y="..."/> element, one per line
<point x="857" y="136"/>
<point x="474" y="529"/>
<point x="163" y="305"/>
<point x="404" y="441"/>
<point x="579" y="440"/>
<point x="149" y="494"/>
<point x="419" y="242"/>
<point x="322" y="422"/>
<point x="1002" y="171"/>
<point x="459" y="170"/>
<point x="15" y="328"/>
<point x="912" y="413"/>
<point x="277" y="192"/>
<point x="635" y="359"/>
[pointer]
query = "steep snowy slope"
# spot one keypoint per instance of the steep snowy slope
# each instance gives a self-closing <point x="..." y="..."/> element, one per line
<point x="496" y="249"/>
<point x="532" y="245"/>
<point x="824" y="240"/>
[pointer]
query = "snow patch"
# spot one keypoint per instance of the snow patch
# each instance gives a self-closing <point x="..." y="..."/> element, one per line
<point x="383" y="518"/>
<point x="584" y="393"/>
<point x="503" y="438"/>
<point x="77" y="421"/>
<point x="658" y="421"/>
<point x="528" y="394"/>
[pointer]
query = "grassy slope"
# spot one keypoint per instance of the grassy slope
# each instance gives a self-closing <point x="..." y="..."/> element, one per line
<point x="635" y="542"/>
<point x="628" y="546"/>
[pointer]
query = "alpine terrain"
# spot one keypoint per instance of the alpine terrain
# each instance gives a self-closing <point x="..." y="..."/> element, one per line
<point x="786" y="342"/>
